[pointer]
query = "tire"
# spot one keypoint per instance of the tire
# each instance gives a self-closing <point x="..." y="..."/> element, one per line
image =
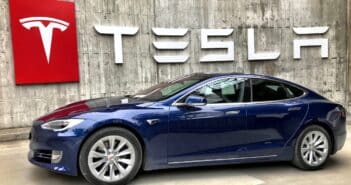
<point x="96" y="157"/>
<point x="303" y="158"/>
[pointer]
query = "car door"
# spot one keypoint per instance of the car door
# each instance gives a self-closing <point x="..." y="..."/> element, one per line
<point x="213" y="131"/>
<point x="273" y="116"/>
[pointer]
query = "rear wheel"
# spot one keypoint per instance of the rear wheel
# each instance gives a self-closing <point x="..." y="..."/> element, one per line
<point x="312" y="148"/>
<point x="110" y="156"/>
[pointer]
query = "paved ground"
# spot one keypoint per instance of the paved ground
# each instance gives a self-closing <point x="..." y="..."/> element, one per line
<point x="14" y="170"/>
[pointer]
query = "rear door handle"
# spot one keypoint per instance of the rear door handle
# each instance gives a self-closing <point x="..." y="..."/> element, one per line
<point x="234" y="112"/>
<point x="294" y="108"/>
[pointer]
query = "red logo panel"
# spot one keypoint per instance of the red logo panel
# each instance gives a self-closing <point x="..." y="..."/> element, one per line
<point x="44" y="41"/>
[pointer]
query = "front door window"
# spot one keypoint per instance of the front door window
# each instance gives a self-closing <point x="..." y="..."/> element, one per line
<point x="228" y="90"/>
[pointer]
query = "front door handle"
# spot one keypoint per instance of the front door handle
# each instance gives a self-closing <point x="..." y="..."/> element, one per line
<point x="234" y="112"/>
<point x="152" y="121"/>
<point x="294" y="108"/>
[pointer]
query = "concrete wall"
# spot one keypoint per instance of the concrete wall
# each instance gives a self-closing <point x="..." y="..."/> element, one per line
<point x="273" y="20"/>
<point x="349" y="56"/>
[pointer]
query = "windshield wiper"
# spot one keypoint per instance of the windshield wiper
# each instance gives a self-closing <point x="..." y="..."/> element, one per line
<point x="139" y="96"/>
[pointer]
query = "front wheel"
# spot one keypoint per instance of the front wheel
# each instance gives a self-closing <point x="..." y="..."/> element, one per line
<point x="110" y="156"/>
<point x="312" y="148"/>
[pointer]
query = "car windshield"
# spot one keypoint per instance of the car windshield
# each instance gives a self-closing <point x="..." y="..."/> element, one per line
<point x="165" y="90"/>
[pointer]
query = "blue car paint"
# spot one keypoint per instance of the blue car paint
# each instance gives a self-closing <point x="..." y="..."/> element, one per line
<point x="264" y="131"/>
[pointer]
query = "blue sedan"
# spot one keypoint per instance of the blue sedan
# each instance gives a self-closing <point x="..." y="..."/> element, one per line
<point x="196" y="120"/>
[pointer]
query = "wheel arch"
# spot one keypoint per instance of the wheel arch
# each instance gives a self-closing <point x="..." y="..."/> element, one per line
<point x="326" y="127"/>
<point x="111" y="124"/>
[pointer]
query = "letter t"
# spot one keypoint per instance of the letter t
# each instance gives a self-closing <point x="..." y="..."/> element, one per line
<point x="117" y="33"/>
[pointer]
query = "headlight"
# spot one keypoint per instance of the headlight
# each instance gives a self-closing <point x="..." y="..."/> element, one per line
<point x="61" y="125"/>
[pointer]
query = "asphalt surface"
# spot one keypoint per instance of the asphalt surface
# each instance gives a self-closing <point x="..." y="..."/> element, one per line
<point x="16" y="170"/>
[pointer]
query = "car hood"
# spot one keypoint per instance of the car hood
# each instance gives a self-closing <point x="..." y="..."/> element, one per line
<point x="99" y="104"/>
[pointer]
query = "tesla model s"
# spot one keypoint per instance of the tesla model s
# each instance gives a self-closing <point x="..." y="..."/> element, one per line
<point x="196" y="120"/>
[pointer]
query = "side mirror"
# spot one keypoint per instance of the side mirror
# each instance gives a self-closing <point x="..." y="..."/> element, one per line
<point x="194" y="100"/>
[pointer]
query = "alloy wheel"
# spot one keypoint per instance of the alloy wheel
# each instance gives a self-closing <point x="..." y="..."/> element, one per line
<point x="111" y="158"/>
<point x="315" y="148"/>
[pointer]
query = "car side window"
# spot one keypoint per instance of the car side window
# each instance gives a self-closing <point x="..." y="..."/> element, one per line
<point x="293" y="92"/>
<point x="228" y="90"/>
<point x="267" y="90"/>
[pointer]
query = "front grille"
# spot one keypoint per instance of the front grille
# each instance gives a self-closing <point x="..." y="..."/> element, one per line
<point x="43" y="156"/>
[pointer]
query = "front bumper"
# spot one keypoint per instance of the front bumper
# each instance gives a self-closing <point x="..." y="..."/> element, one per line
<point x="68" y="143"/>
<point x="340" y="134"/>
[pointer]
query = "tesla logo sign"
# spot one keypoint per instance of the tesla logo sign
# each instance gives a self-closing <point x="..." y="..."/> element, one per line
<point x="45" y="31"/>
<point x="44" y="41"/>
<point x="253" y="54"/>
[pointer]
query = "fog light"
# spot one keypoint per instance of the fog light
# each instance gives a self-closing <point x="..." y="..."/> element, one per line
<point x="31" y="154"/>
<point x="56" y="156"/>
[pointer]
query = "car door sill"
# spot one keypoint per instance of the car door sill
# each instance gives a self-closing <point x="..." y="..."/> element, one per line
<point x="218" y="160"/>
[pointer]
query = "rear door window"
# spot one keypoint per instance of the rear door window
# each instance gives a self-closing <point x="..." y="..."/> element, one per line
<point x="267" y="90"/>
<point x="293" y="92"/>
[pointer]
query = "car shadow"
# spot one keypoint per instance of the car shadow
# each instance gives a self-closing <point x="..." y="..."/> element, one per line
<point x="215" y="174"/>
<point x="241" y="173"/>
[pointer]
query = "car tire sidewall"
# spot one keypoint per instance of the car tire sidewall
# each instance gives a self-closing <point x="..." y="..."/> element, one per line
<point x="83" y="156"/>
<point x="298" y="160"/>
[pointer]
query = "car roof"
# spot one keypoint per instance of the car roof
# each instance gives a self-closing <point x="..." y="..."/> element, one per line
<point x="211" y="75"/>
<point x="215" y="75"/>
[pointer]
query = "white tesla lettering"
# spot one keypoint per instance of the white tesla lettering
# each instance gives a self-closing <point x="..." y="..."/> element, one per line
<point x="45" y="31"/>
<point x="166" y="44"/>
<point x="252" y="54"/>
<point x="117" y="33"/>
<point x="323" y="43"/>
<point x="170" y="45"/>
<point x="205" y="44"/>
